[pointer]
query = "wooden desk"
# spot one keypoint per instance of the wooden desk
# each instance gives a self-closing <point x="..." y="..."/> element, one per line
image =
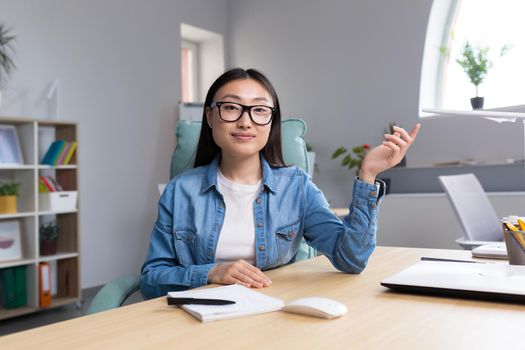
<point x="377" y="318"/>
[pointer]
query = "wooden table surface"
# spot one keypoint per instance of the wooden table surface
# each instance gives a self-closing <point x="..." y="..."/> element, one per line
<point x="377" y="318"/>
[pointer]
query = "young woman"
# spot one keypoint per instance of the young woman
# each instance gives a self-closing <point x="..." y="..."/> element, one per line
<point x="241" y="210"/>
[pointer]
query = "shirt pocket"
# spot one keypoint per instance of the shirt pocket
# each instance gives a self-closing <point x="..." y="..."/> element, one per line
<point x="287" y="241"/>
<point x="184" y="246"/>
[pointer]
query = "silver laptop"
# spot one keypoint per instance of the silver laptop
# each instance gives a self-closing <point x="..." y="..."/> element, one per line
<point x="461" y="279"/>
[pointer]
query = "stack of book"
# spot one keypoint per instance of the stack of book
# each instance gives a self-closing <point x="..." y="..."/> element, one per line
<point x="48" y="184"/>
<point x="14" y="292"/>
<point x="60" y="153"/>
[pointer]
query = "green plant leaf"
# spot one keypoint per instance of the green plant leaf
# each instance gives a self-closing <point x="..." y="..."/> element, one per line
<point x="346" y="160"/>
<point x="10" y="189"/>
<point x="339" y="151"/>
<point x="358" y="149"/>
<point x="354" y="163"/>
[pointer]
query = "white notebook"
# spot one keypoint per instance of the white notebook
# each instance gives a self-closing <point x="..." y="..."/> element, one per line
<point x="247" y="302"/>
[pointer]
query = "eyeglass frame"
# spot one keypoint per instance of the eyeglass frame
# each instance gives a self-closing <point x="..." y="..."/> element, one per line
<point x="245" y="108"/>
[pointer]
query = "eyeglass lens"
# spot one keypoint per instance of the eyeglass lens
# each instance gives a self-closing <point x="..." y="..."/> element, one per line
<point x="233" y="111"/>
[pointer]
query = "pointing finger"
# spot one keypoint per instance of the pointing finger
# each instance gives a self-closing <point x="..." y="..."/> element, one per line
<point x="415" y="131"/>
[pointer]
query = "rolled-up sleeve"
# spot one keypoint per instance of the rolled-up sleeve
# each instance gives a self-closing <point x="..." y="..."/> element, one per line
<point x="348" y="243"/>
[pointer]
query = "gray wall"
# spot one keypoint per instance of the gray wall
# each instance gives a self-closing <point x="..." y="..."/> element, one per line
<point x="119" y="65"/>
<point x="349" y="68"/>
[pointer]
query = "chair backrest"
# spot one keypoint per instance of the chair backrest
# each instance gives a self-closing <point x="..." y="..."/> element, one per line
<point x="472" y="207"/>
<point x="114" y="293"/>
<point x="187" y="133"/>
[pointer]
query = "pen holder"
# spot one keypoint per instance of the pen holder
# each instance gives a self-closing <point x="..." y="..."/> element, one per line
<point x="515" y="242"/>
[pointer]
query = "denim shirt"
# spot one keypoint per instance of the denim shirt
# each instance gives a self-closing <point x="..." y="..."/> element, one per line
<point x="191" y="213"/>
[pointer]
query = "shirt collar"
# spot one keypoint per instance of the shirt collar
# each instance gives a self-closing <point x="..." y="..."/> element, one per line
<point x="211" y="175"/>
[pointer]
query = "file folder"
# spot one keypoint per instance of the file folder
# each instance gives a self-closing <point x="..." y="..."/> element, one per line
<point x="20" y="286"/>
<point x="44" y="284"/>
<point x="8" y="288"/>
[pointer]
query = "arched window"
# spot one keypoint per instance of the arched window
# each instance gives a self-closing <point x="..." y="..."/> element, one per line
<point x="491" y="24"/>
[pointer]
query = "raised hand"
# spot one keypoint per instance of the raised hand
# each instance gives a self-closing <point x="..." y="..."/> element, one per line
<point x="238" y="272"/>
<point x="389" y="153"/>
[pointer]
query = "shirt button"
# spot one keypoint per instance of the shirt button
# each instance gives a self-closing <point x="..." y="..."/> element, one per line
<point x="260" y="224"/>
<point x="372" y="205"/>
<point x="373" y="193"/>
<point x="258" y="201"/>
<point x="290" y="234"/>
<point x="262" y="247"/>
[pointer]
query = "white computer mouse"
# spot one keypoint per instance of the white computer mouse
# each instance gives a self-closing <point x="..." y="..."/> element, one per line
<point x="316" y="307"/>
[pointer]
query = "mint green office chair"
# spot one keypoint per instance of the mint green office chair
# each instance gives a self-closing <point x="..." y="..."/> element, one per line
<point x="115" y="292"/>
<point x="294" y="153"/>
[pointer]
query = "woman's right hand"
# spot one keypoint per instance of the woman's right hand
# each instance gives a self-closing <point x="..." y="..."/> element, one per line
<point x="238" y="272"/>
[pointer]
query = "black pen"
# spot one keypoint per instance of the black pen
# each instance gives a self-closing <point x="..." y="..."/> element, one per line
<point x="198" y="301"/>
<point x="426" y="258"/>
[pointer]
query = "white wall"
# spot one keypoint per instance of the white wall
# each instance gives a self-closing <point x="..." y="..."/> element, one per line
<point x="119" y="65"/>
<point x="349" y="68"/>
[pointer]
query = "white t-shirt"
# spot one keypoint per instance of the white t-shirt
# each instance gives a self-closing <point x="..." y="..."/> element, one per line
<point x="237" y="237"/>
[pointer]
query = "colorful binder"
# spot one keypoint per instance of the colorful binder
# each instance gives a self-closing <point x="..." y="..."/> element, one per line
<point x="51" y="152"/>
<point x="9" y="289"/>
<point x="44" y="284"/>
<point x="59" y="150"/>
<point x="70" y="153"/>
<point x="20" y="286"/>
<point x="63" y="154"/>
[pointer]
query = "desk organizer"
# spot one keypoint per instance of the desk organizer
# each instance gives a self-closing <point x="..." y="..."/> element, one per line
<point x="515" y="242"/>
<point x="58" y="201"/>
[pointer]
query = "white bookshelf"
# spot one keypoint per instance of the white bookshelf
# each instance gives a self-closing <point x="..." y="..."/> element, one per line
<point x="35" y="137"/>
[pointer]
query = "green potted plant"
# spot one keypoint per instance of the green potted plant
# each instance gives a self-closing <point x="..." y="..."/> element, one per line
<point x="353" y="158"/>
<point x="476" y="63"/>
<point x="48" y="237"/>
<point x="9" y="192"/>
<point x="7" y="64"/>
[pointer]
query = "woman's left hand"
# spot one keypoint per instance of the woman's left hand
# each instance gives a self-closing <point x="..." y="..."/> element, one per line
<point x="389" y="153"/>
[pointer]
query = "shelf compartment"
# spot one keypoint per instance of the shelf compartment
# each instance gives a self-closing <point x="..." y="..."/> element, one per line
<point x="65" y="175"/>
<point x="25" y="131"/>
<point x="50" y="132"/>
<point x="26" y="179"/>
<point x="67" y="278"/>
<point x="28" y="300"/>
<point x="27" y="238"/>
<point x="68" y="236"/>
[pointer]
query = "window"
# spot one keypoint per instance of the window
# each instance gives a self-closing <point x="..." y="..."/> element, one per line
<point x="189" y="71"/>
<point x="484" y="23"/>
<point x="202" y="61"/>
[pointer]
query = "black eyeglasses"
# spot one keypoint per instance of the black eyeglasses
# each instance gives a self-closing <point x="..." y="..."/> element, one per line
<point x="231" y="112"/>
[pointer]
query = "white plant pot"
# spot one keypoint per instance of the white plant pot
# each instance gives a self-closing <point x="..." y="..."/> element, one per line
<point x="311" y="163"/>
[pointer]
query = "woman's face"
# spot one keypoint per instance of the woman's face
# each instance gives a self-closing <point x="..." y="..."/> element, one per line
<point x="242" y="138"/>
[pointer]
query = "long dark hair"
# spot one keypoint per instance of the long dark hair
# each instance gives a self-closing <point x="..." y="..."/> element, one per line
<point x="207" y="149"/>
